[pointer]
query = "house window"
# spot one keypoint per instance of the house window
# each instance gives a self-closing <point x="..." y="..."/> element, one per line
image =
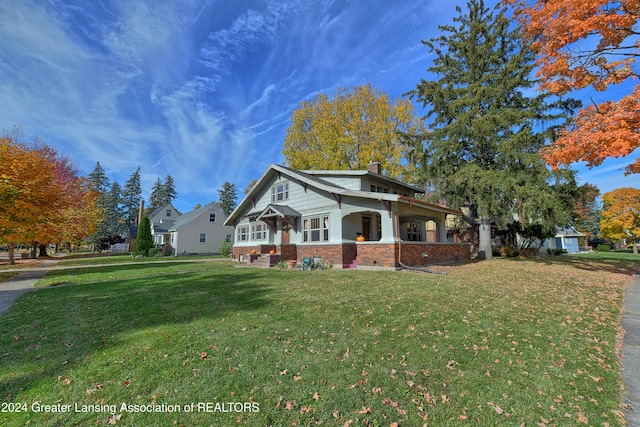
<point x="168" y="212"/>
<point x="315" y="229"/>
<point x="203" y="237"/>
<point x="280" y="192"/>
<point x="258" y="231"/>
<point x="212" y="217"/>
<point x="228" y="238"/>
<point x="414" y="232"/>
<point x="243" y="233"/>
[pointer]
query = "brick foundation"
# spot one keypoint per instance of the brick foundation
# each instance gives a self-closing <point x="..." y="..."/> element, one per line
<point x="377" y="255"/>
<point x="436" y="253"/>
<point x="368" y="254"/>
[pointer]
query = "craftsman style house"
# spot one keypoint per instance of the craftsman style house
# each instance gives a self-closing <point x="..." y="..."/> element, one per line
<point x="348" y="218"/>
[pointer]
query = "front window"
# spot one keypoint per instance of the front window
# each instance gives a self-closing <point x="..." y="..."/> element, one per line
<point x="258" y="231"/>
<point x="243" y="233"/>
<point x="280" y="192"/>
<point x="315" y="229"/>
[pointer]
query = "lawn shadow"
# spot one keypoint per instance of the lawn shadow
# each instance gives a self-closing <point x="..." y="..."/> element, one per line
<point x="51" y="330"/>
<point x="581" y="262"/>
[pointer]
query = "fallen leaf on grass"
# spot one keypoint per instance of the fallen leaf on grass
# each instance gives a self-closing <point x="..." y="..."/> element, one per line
<point x="364" y="410"/>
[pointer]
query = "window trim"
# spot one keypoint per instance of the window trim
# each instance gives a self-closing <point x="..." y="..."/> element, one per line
<point x="321" y="230"/>
<point x="200" y="238"/>
<point x="278" y="195"/>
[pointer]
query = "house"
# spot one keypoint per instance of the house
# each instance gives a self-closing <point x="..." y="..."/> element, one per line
<point x="162" y="219"/>
<point x="199" y="232"/>
<point x="565" y="238"/>
<point x="348" y="218"/>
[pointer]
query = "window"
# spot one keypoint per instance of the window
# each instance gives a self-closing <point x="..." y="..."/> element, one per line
<point x="258" y="231"/>
<point x="203" y="237"/>
<point x="212" y="217"/>
<point x="280" y="192"/>
<point x="243" y="233"/>
<point x="315" y="229"/>
<point x="168" y="212"/>
<point x="228" y="238"/>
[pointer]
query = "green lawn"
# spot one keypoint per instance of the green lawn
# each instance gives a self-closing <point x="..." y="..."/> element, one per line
<point x="505" y="342"/>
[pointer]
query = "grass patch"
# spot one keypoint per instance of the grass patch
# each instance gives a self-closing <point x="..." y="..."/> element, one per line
<point x="496" y="343"/>
<point x="7" y="275"/>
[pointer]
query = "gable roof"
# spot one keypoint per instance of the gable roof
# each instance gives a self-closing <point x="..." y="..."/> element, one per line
<point x="309" y="178"/>
<point x="158" y="210"/>
<point x="186" y="218"/>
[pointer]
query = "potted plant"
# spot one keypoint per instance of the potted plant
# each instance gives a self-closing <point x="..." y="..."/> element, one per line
<point x="291" y="264"/>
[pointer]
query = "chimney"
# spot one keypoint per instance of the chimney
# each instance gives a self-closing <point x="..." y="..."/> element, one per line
<point x="375" y="167"/>
<point x="140" y="211"/>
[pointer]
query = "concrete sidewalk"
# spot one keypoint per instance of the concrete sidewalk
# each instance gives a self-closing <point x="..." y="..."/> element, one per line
<point x="631" y="352"/>
<point x="18" y="285"/>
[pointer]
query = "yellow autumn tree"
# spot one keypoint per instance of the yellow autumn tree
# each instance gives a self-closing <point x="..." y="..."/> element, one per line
<point x="350" y="131"/>
<point x="621" y="215"/>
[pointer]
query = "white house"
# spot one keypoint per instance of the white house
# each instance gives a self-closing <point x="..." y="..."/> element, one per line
<point x="161" y="220"/>
<point x="200" y="232"/>
<point x="349" y="218"/>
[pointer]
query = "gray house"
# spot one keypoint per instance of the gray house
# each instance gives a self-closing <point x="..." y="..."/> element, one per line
<point x="349" y="218"/>
<point x="200" y="232"/>
<point x="161" y="220"/>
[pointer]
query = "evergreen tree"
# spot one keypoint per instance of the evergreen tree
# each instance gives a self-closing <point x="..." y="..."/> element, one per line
<point x="487" y="125"/>
<point x="113" y="217"/>
<point x="99" y="179"/>
<point x="144" y="240"/>
<point x="131" y="198"/>
<point x="100" y="183"/>
<point x="169" y="189"/>
<point x="228" y="198"/>
<point x="157" y="197"/>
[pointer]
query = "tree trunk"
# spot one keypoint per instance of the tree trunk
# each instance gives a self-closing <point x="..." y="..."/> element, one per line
<point x="42" y="250"/>
<point x="635" y="246"/>
<point x="12" y="254"/>
<point x="484" y="243"/>
<point x="33" y="250"/>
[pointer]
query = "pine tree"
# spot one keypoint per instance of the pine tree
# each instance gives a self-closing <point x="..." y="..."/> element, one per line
<point x="100" y="183"/>
<point x="113" y="217"/>
<point x="228" y="198"/>
<point x="157" y="198"/>
<point x="131" y="198"/>
<point x="169" y="189"/>
<point x="482" y="148"/>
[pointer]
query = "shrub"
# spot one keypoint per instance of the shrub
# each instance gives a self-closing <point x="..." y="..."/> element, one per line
<point x="603" y="248"/>
<point x="167" y="250"/>
<point x="557" y="251"/>
<point x="225" y="248"/>
<point x="508" y="251"/>
<point x="154" y="251"/>
<point x="144" y="241"/>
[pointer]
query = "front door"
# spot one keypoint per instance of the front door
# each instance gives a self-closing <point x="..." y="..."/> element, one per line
<point x="366" y="227"/>
<point x="285" y="235"/>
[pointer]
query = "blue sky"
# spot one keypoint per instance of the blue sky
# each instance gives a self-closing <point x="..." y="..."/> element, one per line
<point x="203" y="90"/>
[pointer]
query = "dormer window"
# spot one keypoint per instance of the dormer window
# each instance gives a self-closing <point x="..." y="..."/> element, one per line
<point x="280" y="192"/>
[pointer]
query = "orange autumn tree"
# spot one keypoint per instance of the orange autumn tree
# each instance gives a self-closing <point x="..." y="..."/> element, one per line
<point x="621" y="215"/>
<point x="588" y="43"/>
<point x="41" y="197"/>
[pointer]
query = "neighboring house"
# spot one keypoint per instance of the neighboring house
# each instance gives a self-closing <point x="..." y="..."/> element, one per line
<point x="565" y="238"/>
<point x="300" y="214"/>
<point x="162" y="219"/>
<point x="200" y="232"/>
